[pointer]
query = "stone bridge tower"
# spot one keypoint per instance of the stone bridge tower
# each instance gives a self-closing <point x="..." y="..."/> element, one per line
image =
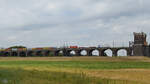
<point x="140" y="44"/>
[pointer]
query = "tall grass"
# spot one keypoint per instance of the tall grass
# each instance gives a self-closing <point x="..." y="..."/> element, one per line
<point x="35" y="72"/>
<point x="78" y="64"/>
<point x="20" y="76"/>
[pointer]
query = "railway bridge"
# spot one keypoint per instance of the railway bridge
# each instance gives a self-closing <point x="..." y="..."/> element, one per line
<point x="139" y="47"/>
<point x="66" y="51"/>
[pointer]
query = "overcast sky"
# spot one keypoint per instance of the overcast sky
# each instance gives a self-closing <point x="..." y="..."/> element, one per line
<point x="37" y="23"/>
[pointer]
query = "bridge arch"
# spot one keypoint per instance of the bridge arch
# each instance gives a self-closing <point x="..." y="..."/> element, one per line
<point x="83" y="52"/>
<point x="72" y="53"/>
<point x="95" y="52"/>
<point x="107" y="52"/>
<point x="6" y="53"/>
<point x="30" y="53"/>
<point x="59" y="53"/>
<point x="22" y="54"/>
<point x="47" y="53"/>
<point x="127" y="51"/>
<point x="39" y="53"/>
<point x="14" y="53"/>
<point x="122" y="52"/>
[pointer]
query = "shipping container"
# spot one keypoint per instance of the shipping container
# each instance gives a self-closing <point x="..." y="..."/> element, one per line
<point x="14" y="49"/>
<point x="29" y="48"/>
<point x="82" y="47"/>
<point x="73" y="47"/>
<point x="39" y="48"/>
<point x="22" y="49"/>
<point x="92" y="47"/>
<point x="51" y="48"/>
<point x="46" y="48"/>
<point x="2" y="49"/>
<point x="8" y="49"/>
<point x="33" y="48"/>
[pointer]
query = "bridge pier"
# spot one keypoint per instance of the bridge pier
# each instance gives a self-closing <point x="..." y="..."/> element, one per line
<point x="22" y="53"/>
<point x="78" y="52"/>
<point x="30" y="53"/>
<point x="114" y="53"/>
<point x="67" y="53"/>
<point x="100" y="52"/>
<point x="38" y="53"/>
<point x="129" y="52"/>
<point x="89" y="53"/>
<point x="5" y="54"/>
<point x="46" y="53"/>
<point x="14" y="53"/>
<point x="55" y="53"/>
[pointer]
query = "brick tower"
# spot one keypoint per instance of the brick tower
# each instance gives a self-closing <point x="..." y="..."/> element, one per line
<point x="140" y="44"/>
<point x="140" y="38"/>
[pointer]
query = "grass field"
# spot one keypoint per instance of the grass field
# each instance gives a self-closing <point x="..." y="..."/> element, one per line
<point x="75" y="70"/>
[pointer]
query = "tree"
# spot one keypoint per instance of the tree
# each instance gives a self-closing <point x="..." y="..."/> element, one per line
<point x="18" y="47"/>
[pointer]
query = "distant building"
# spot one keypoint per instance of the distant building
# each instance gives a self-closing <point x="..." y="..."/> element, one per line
<point x="140" y="38"/>
<point x="140" y="46"/>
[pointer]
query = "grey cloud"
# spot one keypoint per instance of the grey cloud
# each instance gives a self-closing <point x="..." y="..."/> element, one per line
<point x="83" y="22"/>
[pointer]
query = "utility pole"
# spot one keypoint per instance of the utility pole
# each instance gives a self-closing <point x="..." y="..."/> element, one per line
<point x="123" y="44"/>
<point x="113" y="43"/>
<point x="149" y="40"/>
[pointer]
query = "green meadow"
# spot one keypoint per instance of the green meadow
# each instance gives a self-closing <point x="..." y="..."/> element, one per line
<point x="77" y="64"/>
<point x="75" y="70"/>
